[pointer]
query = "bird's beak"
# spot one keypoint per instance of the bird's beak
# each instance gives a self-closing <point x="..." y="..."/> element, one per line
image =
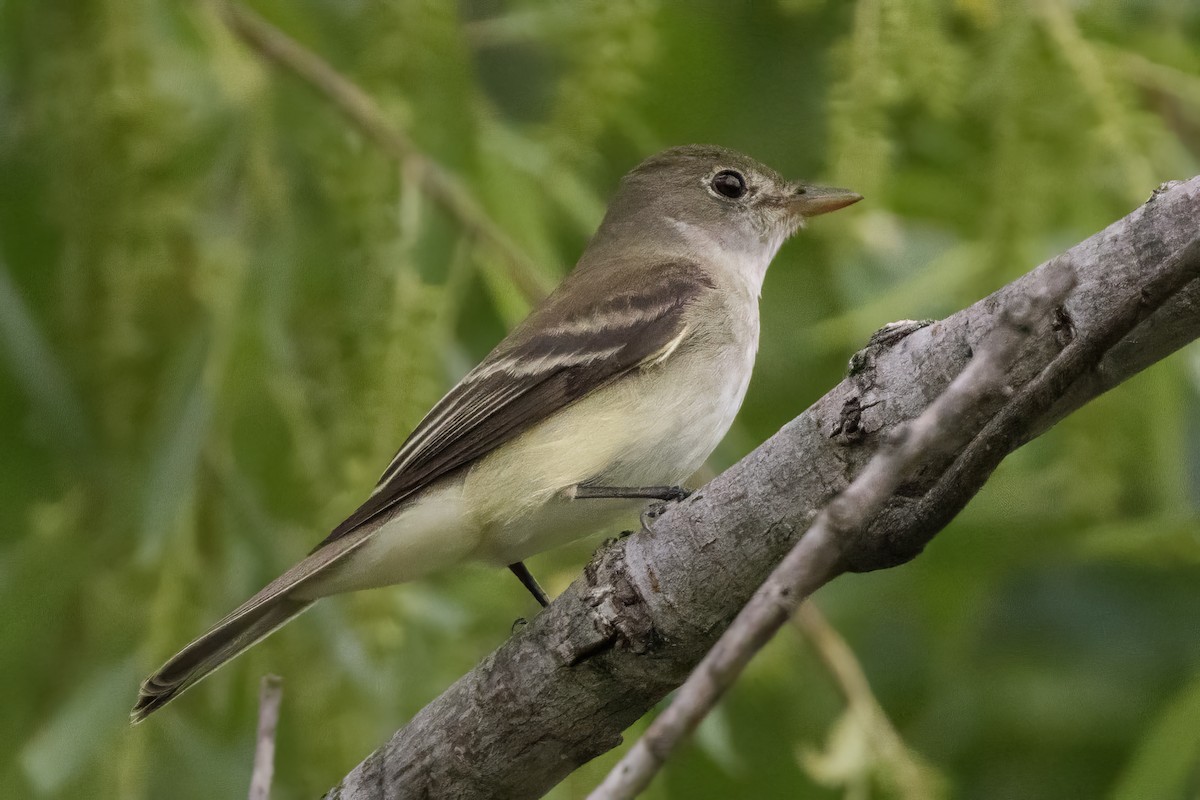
<point x="812" y="201"/>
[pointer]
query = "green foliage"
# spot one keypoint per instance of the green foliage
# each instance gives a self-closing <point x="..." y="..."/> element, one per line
<point x="222" y="308"/>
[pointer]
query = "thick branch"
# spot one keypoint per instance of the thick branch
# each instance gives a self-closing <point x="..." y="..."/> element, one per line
<point x="650" y="606"/>
<point x="816" y="558"/>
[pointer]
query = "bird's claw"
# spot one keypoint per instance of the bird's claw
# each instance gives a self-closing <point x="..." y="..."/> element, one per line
<point x="656" y="509"/>
<point x="653" y="512"/>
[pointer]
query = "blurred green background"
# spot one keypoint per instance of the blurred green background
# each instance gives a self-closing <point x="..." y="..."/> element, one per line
<point x="222" y="308"/>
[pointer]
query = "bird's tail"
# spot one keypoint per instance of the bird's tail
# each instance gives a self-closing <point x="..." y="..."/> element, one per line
<point x="279" y="602"/>
<point x="222" y="642"/>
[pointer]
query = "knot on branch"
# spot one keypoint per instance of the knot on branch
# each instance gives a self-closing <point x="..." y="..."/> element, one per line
<point x="617" y="617"/>
<point x="1031" y="330"/>
<point x="863" y="361"/>
<point x="850" y="428"/>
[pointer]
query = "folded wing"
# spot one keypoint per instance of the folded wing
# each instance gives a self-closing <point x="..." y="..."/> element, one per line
<point x="581" y="339"/>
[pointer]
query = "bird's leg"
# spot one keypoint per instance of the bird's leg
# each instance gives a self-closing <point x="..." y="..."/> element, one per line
<point x="529" y="582"/>
<point x="664" y="493"/>
<point x="660" y="494"/>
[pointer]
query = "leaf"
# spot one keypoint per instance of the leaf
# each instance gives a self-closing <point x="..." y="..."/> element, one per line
<point x="864" y="756"/>
<point x="845" y="760"/>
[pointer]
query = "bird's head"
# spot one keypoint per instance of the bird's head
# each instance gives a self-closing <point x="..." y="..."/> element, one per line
<point x="717" y="200"/>
<point x="724" y="192"/>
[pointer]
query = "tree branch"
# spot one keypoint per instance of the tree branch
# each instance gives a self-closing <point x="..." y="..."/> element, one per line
<point x="816" y="558"/>
<point x="270" y="695"/>
<point x="358" y="107"/>
<point x="647" y="608"/>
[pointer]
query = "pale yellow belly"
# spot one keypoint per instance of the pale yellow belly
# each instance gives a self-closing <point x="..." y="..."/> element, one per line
<point x="654" y="429"/>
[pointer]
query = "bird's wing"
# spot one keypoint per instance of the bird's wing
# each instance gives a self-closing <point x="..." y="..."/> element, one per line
<point x="598" y="333"/>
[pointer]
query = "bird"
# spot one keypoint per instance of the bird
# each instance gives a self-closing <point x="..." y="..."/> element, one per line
<point x="612" y="392"/>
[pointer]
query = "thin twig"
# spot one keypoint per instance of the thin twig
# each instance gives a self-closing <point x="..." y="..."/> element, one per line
<point x="911" y="776"/>
<point x="836" y="655"/>
<point x="815" y="558"/>
<point x="357" y="106"/>
<point x="270" y="694"/>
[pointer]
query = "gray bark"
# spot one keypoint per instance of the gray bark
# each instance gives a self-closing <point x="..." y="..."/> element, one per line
<point x="647" y="608"/>
<point x="948" y="423"/>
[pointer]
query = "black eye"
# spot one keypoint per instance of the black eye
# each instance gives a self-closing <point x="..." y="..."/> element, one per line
<point x="729" y="184"/>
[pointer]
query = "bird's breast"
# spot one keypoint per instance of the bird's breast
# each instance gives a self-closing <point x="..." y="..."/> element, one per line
<point x="650" y="428"/>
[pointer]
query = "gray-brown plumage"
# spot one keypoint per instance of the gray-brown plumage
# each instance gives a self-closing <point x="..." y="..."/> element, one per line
<point x="628" y="375"/>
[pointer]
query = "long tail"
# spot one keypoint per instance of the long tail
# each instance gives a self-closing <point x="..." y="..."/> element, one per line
<point x="221" y="643"/>
<point x="279" y="602"/>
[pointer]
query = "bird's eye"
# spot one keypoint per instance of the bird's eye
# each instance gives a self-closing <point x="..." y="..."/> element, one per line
<point x="728" y="183"/>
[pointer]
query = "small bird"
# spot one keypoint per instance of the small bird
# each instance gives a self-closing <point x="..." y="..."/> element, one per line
<point x="613" y="391"/>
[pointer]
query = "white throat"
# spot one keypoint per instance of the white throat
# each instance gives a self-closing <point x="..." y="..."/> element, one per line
<point x="747" y="262"/>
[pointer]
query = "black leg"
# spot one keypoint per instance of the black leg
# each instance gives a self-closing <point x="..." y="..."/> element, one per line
<point x="664" y="493"/>
<point x="529" y="582"/>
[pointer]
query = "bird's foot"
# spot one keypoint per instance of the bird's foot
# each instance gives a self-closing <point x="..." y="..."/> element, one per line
<point x="656" y="509"/>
